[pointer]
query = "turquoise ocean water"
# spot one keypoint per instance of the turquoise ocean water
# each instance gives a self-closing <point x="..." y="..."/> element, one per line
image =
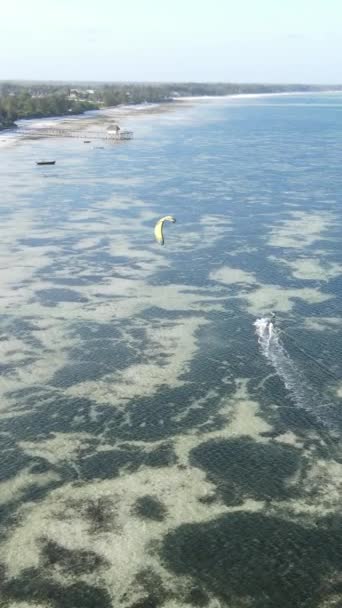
<point x="154" y="451"/>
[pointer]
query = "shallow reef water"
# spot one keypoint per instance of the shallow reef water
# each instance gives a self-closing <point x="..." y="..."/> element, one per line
<point x="154" y="452"/>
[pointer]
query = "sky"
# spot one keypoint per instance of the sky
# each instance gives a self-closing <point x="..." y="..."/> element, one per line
<point x="280" y="41"/>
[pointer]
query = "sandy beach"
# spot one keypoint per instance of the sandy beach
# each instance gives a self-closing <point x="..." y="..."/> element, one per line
<point x="98" y="120"/>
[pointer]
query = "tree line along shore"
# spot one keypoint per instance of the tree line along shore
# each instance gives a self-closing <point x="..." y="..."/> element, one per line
<point x="40" y="100"/>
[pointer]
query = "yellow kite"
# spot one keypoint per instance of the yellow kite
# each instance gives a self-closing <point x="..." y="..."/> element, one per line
<point x="159" y="228"/>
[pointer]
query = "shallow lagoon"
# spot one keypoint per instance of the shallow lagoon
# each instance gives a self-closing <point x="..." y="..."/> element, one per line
<point x="152" y="454"/>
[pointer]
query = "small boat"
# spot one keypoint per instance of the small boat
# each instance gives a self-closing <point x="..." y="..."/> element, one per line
<point x="86" y="141"/>
<point x="45" y="162"/>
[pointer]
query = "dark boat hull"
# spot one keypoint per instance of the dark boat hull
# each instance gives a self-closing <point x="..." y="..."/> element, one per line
<point x="46" y="162"/>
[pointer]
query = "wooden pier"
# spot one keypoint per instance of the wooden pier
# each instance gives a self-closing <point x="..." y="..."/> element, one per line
<point x="86" y="135"/>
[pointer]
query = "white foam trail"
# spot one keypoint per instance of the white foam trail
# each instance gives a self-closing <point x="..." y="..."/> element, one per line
<point x="303" y="395"/>
<point x="265" y="333"/>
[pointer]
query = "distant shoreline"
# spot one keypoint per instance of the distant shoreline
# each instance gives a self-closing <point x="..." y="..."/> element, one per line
<point x="256" y="95"/>
<point x="105" y="116"/>
<point x="90" y="120"/>
<point x="40" y="100"/>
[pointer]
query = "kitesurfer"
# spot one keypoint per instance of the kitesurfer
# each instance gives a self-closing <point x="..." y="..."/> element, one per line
<point x="270" y="324"/>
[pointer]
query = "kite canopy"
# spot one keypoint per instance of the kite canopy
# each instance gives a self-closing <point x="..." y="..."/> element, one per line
<point x="159" y="228"/>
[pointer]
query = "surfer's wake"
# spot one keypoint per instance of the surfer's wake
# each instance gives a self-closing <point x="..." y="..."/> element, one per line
<point x="303" y="395"/>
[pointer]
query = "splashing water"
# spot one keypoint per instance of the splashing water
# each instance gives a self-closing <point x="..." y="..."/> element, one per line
<point x="266" y="333"/>
<point x="303" y="395"/>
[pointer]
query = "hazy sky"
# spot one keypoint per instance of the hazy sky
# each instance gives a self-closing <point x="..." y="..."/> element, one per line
<point x="202" y="40"/>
